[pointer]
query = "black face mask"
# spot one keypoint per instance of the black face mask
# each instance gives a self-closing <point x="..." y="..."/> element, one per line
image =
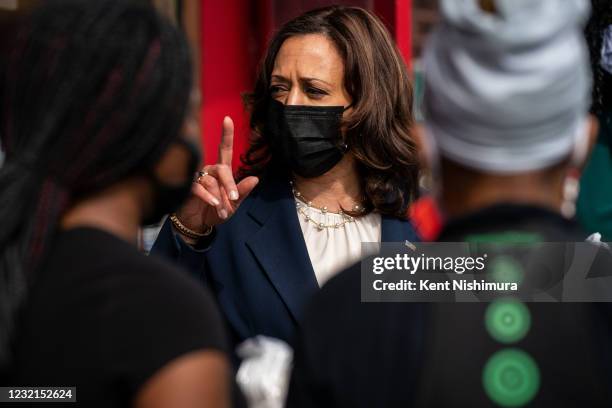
<point x="167" y="198"/>
<point x="307" y="139"/>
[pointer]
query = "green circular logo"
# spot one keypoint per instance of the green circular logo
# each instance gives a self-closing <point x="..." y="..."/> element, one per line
<point x="507" y="320"/>
<point x="511" y="378"/>
<point x="506" y="269"/>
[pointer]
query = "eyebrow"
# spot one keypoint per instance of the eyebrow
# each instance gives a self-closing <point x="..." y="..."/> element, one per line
<point x="280" y="78"/>
<point x="315" y="79"/>
<point x="306" y="79"/>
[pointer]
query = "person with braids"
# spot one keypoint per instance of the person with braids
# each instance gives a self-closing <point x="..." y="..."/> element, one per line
<point x="96" y="98"/>
<point x="331" y="164"/>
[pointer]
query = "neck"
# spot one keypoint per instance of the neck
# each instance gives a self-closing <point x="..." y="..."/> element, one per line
<point x="116" y="210"/>
<point x="466" y="191"/>
<point x="338" y="188"/>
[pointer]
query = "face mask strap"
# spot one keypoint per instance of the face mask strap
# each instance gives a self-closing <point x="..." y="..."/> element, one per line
<point x="167" y="198"/>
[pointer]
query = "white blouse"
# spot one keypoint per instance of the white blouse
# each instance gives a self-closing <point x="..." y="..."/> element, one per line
<point x="333" y="249"/>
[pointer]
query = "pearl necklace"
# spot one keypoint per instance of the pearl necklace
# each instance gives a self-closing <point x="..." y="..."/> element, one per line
<point x="305" y="207"/>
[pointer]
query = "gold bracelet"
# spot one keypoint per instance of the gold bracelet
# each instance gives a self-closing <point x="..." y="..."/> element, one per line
<point x="187" y="231"/>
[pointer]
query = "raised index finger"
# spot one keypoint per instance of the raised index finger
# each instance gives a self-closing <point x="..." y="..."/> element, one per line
<point x="226" y="147"/>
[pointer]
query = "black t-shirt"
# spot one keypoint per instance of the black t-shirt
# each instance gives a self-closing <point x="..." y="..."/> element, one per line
<point x="354" y="354"/>
<point x="105" y="318"/>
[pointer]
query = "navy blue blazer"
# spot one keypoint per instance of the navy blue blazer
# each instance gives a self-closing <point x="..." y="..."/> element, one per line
<point x="257" y="264"/>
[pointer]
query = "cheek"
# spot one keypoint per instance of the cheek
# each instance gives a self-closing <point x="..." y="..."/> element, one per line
<point x="340" y="97"/>
<point x="172" y="167"/>
<point x="191" y="130"/>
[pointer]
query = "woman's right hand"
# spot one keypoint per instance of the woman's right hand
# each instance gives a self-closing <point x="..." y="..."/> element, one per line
<point x="215" y="195"/>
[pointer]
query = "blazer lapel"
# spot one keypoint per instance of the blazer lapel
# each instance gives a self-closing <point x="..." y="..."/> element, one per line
<point x="397" y="230"/>
<point x="279" y="245"/>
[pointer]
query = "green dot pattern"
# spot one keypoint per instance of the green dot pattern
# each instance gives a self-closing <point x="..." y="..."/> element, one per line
<point x="507" y="320"/>
<point x="506" y="269"/>
<point x="511" y="378"/>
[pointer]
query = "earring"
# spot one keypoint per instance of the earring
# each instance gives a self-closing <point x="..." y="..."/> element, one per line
<point x="571" y="188"/>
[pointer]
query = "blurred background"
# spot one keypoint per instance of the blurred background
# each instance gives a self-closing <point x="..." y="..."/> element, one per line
<point x="229" y="38"/>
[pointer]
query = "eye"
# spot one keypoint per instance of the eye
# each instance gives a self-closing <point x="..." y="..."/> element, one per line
<point x="275" y="89"/>
<point x="315" y="91"/>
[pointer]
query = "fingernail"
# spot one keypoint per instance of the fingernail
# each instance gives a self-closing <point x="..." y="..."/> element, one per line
<point x="223" y="213"/>
<point x="233" y="195"/>
<point x="215" y="202"/>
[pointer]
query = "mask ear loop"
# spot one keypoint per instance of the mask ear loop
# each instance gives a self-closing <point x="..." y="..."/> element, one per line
<point x="344" y="148"/>
<point x="571" y="184"/>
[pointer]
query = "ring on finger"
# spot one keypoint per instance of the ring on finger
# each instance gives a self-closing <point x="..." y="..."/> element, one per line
<point x="201" y="174"/>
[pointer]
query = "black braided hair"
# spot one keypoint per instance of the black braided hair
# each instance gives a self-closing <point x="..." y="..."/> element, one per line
<point x="95" y="92"/>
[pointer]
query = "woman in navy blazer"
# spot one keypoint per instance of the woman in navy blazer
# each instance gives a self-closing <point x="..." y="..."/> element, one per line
<point x="331" y="140"/>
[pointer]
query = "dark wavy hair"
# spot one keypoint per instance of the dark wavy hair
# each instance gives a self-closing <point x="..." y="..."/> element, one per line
<point x="95" y="92"/>
<point x="379" y="127"/>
